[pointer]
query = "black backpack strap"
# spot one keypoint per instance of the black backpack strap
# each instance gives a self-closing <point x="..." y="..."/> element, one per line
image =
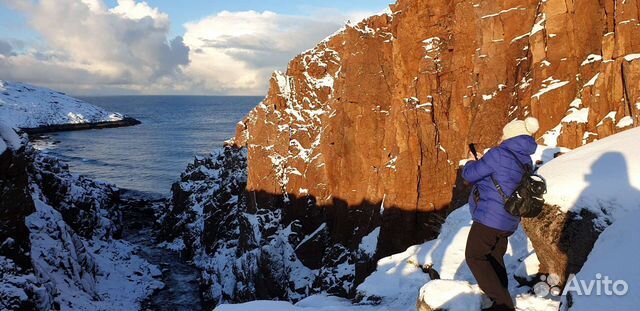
<point x="499" y="188"/>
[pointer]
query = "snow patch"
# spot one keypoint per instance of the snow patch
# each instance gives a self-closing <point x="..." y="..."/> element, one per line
<point x="592" y="58"/>
<point x="176" y="245"/>
<point x="546" y="153"/>
<point x="503" y="12"/>
<point x="529" y="267"/>
<point x="611" y="116"/>
<point x="593" y="80"/>
<point x="432" y="44"/>
<point x="624" y="122"/>
<point x="451" y="295"/>
<point x="539" y="25"/>
<point x="614" y="254"/>
<point x="577" y="115"/>
<point x="369" y="242"/>
<point x="631" y="57"/>
<point x="548" y="85"/>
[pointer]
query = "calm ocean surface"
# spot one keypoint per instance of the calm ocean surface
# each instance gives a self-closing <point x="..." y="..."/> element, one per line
<point x="150" y="157"/>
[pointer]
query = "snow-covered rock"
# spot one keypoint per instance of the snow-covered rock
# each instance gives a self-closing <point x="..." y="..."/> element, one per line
<point x="57" y="239"/>
<point x="602" y="177"/>
<point x="229" y="240"/>
<point x="87" y="274"/>
<point x="399" y="280"/>
<point x="27" y="106"/>
<point x="589" y="189"/>
<point x="9" y="138"/>
<point x="20" y="288"/>
<point x="600" y="183"/>
<point x="258" y="245"/>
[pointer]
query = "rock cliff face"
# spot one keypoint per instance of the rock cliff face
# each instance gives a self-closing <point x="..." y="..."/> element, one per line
<point x="361" y="138"/>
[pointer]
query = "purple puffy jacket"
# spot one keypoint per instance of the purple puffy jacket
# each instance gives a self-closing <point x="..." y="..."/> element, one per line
<point x="500" y="163"/>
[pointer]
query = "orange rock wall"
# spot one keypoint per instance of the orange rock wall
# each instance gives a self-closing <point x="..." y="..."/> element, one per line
<point x="383" y="110"/>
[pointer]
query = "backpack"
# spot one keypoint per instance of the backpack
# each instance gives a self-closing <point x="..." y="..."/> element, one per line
<point x="527" y="200"/>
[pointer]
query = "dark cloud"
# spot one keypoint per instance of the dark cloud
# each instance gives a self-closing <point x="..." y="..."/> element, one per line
<point x="5" y="48"/>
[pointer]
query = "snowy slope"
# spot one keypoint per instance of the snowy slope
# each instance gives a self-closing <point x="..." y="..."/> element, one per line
<point x="26" y="106"/>
<point x="398" y="282"/>
<point x="87" y="274"/>
<point x="603" y="176"/>
<point x="313" y="303"/>
<point x="615" y="255"/>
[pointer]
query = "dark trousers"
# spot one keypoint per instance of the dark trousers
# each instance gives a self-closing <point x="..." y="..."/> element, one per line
<point x="485" y="256"/>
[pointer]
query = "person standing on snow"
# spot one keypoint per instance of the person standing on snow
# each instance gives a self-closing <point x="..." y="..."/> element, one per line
<point x="492" y="223"/>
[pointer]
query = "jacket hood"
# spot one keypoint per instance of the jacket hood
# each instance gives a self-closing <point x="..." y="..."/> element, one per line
<point x="523" y="144"/>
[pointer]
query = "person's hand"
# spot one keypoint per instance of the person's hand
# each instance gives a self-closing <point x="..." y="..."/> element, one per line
<point x="471" y="157"/>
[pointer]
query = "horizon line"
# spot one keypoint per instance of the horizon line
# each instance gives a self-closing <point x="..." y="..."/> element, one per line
<point x="158" y="95"/>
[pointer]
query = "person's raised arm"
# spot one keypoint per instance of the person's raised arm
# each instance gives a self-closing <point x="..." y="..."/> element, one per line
<point x="474" y="171"/>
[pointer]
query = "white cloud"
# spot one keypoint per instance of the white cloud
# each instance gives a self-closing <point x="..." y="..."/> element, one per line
<point x="137" y="11"/>
<point x="236" y="52"/>
<point x="91" y="48"/>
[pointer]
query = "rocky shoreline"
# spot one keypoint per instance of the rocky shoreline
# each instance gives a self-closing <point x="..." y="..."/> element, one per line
<point x="125" y="122"/>
<point x="62" y="238"/>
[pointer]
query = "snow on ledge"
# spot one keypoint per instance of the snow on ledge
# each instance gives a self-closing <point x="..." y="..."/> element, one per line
<point x="592" y="58"/>
<point x="552" y="85"/>
<point x="577" y="115"/>
<point x="624" y="122"/>
<point x="631" y="57"/>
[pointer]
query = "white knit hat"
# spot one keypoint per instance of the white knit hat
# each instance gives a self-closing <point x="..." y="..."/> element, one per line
<point x="519" y="127"/>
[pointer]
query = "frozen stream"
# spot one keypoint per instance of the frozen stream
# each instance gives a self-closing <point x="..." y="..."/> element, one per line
<point x="181" y="291"/>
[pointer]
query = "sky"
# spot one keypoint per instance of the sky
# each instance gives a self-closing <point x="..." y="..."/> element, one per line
<point x="199" y="47"/>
